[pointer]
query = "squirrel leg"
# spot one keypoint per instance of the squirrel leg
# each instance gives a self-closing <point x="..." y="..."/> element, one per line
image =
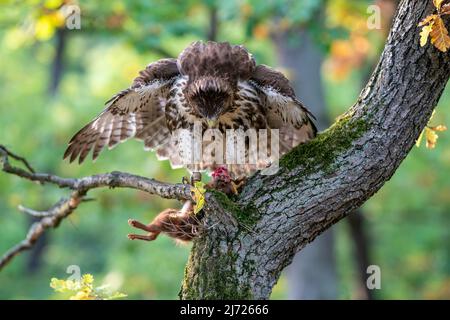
<point x="149" y="237"/>
<point x="138" y="225"/>
<point x="152" y="229"/>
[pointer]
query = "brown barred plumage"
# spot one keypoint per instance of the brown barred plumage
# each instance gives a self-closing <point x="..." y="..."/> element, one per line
<point x="209" y="82"/>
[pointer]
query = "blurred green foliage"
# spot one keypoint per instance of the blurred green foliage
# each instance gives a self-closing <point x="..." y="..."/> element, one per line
<point x="408" y="218"/>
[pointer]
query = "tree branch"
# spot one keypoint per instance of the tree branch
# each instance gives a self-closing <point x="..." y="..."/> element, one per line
<point x="318" y="183"/>
<point x="321" y="182"/>
<point x="80" y="186"/>
<point x="114" y="179"/>
<point x="49" y="219"/>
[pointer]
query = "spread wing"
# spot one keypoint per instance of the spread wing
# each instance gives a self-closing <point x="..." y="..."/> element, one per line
<point x="284" y="111"/>
<point x="134" y="112"/>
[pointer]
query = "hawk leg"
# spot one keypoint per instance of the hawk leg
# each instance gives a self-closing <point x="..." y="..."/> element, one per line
<point x="195" y="177"/>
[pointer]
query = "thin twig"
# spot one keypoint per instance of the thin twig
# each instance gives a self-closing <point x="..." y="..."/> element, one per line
<point x="113" y="179"/>
<point x="50" y="219"/>
<point x="18" y="158"/>
<point x="54" y="215"/>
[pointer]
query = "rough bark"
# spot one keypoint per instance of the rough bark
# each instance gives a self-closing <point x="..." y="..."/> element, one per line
<point x="246" y="243"/>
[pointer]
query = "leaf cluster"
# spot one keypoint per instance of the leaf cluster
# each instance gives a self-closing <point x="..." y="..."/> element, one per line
<point x="83" y="289"/>
<point x="433" y="27"/>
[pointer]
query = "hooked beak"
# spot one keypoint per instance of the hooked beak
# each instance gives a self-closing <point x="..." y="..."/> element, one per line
<point x="212" y="123"/>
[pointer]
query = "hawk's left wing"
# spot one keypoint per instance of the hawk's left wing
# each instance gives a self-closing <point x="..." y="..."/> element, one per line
<point x="284" y="111"/>
<point x="135" y="112"/>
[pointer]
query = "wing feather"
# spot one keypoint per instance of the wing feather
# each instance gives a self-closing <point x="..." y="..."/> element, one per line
<point x="284" y="110"/>
<point x="134" y="112"/>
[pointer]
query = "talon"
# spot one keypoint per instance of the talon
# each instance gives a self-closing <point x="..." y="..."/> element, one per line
<point x="130" y="237"/>
<point x="195" y="177"/>
<point x="234" y="188"/>
<point x="132" y="222"/>
<point x="185" y="180"/>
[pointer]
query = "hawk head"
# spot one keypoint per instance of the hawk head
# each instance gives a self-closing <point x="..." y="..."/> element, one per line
<point x="210" y="97"/>
<point x="214" y="70"/>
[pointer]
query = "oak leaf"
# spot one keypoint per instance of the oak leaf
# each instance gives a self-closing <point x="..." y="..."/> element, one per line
<point x="438" y="3"/>
<point x="428" y="20"/>
<point x="439" y="128"/>
<point x="431" y="138"/>
<point x="424" y="34"/>
<point x="439" y="35"/>
<point x="445" y="9"/>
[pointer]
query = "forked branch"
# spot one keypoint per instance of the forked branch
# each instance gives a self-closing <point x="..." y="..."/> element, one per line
<point x="52" y="217"/>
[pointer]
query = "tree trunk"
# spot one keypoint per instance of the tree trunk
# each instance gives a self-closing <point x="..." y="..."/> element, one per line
<point x="312" y="274"/>
<point x="246" y="244"/>
<point x="55" y="77"/>
<point x="361" y="245"/>
<point x="213" y="23"/>
<point x="58" y="61"/>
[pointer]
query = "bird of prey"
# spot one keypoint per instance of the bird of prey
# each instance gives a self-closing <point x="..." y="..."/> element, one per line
<point x="215" y="84"/>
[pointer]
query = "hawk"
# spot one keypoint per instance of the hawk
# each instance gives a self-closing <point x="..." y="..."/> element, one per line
<point x="217" y="85"/>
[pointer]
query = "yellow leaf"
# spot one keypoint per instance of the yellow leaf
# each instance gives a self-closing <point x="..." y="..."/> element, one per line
<point x="419" y="139"/>
<point x="445" y="9"/>
<point x="53" y="4"/>
<point x="432" y="115"/>
<point x="439" y="35"/>
<point x="44" y="29"/>
<point x="82" y="295"/>
<point x="46" y="25"/>
<point x="428" y="19"/>
<point x="439" y="128"/>
<point x="58" y="285"/>
<point x="261" y="31"/>
<point x="199" y="196"/>
<point x="431" y="138"/>
<point x="438" y="3"/>
<point x="424" y="34"/>
<point x="72" y="285"/>
<point x="87" y="278"/>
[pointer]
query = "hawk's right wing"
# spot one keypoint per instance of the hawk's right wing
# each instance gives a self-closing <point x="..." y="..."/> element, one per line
<point x="284" y="111"/>
<point x="135" y="112"/>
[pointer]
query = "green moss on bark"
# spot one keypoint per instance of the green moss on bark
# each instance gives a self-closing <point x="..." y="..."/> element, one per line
<point x="246" y="216"/>
<point x="321" y="152"/>
<point x="220" y="283"/>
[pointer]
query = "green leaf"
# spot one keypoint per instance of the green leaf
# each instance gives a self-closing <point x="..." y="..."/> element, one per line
<point x="199" y="196"/>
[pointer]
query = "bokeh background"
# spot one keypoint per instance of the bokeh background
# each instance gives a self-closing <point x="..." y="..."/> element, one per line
<point x="54" y="80"/>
